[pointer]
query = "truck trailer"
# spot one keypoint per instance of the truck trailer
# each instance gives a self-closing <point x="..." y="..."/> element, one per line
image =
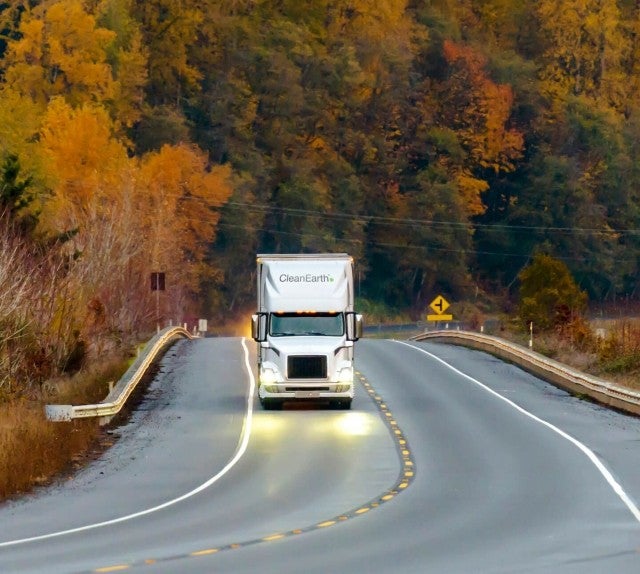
<point x="305" y="328"/>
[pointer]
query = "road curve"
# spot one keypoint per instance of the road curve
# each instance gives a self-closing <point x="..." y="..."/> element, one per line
<point x="197" y="482"/>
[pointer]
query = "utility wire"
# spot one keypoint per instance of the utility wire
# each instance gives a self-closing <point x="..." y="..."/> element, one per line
<point x="299" y="212"/>
<point x="425" y="248"/>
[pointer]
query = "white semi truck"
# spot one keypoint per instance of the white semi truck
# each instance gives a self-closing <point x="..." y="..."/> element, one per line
<point x="305" y="328"/>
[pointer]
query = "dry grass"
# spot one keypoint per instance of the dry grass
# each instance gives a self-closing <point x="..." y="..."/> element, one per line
<point x="612" y="352"/>
<point x="34" y="451"/>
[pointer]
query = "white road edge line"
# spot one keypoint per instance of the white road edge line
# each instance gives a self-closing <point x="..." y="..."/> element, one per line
<point x="244" y="442"/>
<point x="613" y="483"/>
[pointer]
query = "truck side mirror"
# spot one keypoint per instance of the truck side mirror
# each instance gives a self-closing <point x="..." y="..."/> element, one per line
<point x="354" y="326"/>
<point x="259" y="327"/>
<point x="359" y="326"/>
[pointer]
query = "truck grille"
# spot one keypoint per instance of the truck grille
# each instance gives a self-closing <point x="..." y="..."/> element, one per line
<point x="307" y="367"/>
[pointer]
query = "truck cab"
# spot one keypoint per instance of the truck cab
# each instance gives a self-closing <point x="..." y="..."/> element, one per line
<point x="305" y="328"/>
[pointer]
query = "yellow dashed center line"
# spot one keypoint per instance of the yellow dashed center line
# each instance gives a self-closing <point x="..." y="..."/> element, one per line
<point x="205" y="552"/>
<point x="326" y="523"/>
<point x="273" y="537"/>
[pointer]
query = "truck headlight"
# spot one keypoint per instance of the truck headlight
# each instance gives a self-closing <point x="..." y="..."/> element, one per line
<point x="268" y="377"/>
<point x="345" y="377"/>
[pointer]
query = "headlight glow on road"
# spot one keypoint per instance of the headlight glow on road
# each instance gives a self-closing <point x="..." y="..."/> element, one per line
<point x="270" y="424"/>
<point x="355" y="423"/>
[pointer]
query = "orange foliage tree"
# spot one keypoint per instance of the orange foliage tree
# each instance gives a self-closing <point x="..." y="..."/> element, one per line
<point x="86" y="163"/>
<point x="478" y="110"/>
<point x="129" y="217"/>
<point x="178" y="197"/>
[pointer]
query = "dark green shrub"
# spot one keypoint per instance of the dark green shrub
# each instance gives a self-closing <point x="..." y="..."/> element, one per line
<point x="549" y="296"/>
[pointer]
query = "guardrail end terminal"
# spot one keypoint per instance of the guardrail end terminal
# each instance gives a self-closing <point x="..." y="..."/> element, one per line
<point x="59" y="412"/>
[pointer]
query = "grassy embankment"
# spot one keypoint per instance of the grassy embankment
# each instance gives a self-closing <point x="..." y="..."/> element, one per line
<point x="33" y="450"/>
<point x="611" y="353"/>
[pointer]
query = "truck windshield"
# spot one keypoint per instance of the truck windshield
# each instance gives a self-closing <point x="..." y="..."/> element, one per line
<point x="290" y="324"/>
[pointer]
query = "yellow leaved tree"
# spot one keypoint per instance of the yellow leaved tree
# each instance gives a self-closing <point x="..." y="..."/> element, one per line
<point x="87" y="165"/>
<point x="586" y="48"/>
<point x="61" y="52"/>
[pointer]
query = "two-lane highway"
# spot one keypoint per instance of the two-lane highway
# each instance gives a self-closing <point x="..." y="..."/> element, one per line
<point x="449" y="461"/>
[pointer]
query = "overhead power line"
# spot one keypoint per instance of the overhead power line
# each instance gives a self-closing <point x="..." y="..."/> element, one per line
<point x="424" y="247"/>
<point x="433" y="223"/>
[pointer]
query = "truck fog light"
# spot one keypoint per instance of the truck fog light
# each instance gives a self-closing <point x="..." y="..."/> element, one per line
<point x="271" y="388"/>
<point x="342" y="388"/>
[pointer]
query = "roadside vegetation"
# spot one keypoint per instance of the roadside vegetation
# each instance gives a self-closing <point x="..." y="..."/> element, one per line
<point x="553" y="313"/>
<point x="34" y="451"/>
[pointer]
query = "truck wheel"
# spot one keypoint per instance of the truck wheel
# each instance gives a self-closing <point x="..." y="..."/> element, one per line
<point x="341" y="404"/>
<point x="271" y="405"/>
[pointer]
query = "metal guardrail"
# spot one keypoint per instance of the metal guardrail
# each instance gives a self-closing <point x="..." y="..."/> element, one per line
<point x="556" y="373"/>
<point x="118" y="396"/>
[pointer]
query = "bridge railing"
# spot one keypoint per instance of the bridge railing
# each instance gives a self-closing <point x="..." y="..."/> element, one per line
<point x="556" y="373"/>
<point x="123" y="389"/>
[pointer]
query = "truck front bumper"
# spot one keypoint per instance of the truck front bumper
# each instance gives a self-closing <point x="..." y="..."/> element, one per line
<point x="306" y="391"/>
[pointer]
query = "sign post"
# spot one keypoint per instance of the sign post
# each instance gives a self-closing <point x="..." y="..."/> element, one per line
<point x="157" y="285"/>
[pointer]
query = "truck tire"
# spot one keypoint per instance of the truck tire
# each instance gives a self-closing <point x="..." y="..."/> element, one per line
<point x="271" y="405"/>
<point x="341" y="404"/>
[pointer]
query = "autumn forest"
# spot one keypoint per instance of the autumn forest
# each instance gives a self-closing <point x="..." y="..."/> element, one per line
<point x="442" y="143"/>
